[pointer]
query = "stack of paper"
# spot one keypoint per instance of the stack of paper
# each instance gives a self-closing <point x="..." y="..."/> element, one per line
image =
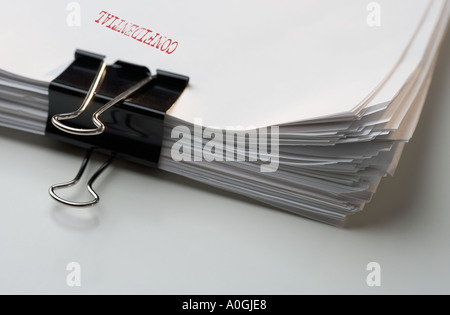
<point x="304" y="106"/>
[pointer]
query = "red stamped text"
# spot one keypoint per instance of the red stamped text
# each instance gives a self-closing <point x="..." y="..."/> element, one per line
<point x="141" y="34"/>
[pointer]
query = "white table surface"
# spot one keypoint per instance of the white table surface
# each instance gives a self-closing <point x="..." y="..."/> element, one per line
<point x="158" y="233"/>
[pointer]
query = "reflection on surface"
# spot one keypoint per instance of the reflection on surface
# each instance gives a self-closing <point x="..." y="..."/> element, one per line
<point x="75" y="218"/>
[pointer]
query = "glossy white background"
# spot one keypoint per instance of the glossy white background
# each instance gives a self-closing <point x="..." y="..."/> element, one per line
<point x="158" y="233"/>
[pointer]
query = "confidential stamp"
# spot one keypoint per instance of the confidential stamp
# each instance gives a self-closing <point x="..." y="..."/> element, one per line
<point x="136" y="32"/>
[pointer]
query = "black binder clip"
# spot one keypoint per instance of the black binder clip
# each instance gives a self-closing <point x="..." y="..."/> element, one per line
<point x="121" y="114"/>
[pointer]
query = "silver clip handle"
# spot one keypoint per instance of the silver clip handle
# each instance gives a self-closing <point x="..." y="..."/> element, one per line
<point x="76" y="179"/>
<point x="56" y="119"/>
<point x="95" y="117"/>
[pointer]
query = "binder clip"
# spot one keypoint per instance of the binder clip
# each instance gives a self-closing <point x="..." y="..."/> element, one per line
<point x="117" y="110"/>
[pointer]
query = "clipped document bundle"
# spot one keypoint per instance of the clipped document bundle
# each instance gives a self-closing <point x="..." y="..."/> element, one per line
<point x="303" y="105"/>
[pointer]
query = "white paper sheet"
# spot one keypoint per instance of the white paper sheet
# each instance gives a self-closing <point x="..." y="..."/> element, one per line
<point x="250" y="62"/>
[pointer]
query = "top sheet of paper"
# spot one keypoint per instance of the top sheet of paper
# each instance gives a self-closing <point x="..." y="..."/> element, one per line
<point x="249" y="62"/>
